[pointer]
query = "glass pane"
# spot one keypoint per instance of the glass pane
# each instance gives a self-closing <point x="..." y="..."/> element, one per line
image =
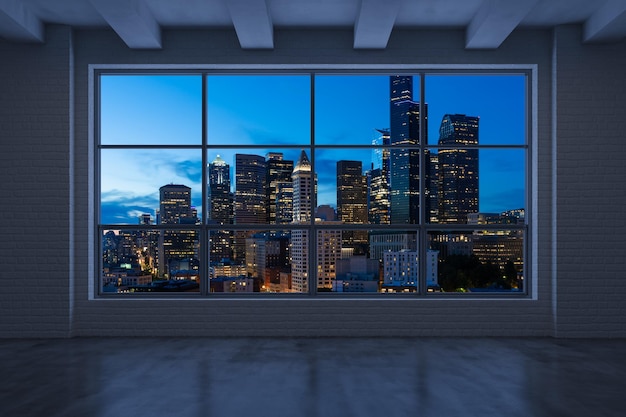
<point x="162" y="185"/>
<point x="150" y="109"/>
<point x="259" y="109"/>
<point x="377" y="186"/>
<point x="256" y="186"/>
<point x="478" y="261"/>
<point x="476" y="109"/>
<point x="366" y="261"/>
<point x="464" y="182"/>
<point x="351" y="109"/>
<point x="245" y="261"/>
<point x="150" y="260"/>
<point x="366" y="109"/>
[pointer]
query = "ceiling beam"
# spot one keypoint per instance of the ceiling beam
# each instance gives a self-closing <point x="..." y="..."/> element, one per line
<point x="494" y="22"/>
<point x="374" y="23"/>
<point x="132" y="20"/>
<point x="608" y="23"/>
<point x="19" y="23"/>
<point x="253" y="23"/>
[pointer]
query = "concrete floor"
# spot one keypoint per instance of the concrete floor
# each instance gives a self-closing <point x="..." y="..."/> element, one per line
<point x="443" y="377"/>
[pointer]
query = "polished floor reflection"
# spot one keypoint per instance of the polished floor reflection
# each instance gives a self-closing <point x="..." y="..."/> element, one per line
<point x="322" y="377"/>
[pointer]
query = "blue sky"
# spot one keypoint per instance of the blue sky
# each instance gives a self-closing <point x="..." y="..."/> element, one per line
<point x="267" y="113"/>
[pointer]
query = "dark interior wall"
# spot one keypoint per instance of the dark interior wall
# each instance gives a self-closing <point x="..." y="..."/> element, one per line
<point x="35" y="174"/>
<point x="591" y="178"/>
<point x="46" y="173"/>
<point x="315" y="317"/>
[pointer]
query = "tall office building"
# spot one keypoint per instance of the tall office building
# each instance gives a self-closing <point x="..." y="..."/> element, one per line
<point x="381" y="155"/>
<point x="351" y="192"/>
<point x="432" y="187"/>
<point x="458" y="168"/>
<point x="278" y="180"/>
<point x="328" y="242"/>
<point x="174" y="204"/>
<point x="219" y="209"/>
<point x="352" y="203"/>
<point x="220" y="204"/>
<point x="176" y="245"/>
<point x="404" y="161"/>
<point x="328" y="253"/>
<point x="303" y="188"/>
<point x="250" y="198"/>
<point x="378" y="199"/>
<point x="250" y="189"/>
<point x="284" y="202"/>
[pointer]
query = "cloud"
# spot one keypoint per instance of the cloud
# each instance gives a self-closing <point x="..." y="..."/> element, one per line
<point x="113" y="213"/>
<point x="135" y="173"/>
<point x="125" y="198"/>
<point x="191" y="170"/>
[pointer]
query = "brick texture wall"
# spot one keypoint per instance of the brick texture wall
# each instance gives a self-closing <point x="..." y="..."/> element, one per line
<point x="35" y="175"/>
<point x="44" y="285"/>
<point x="591" y="178"/>
<point x="318" y="317"/>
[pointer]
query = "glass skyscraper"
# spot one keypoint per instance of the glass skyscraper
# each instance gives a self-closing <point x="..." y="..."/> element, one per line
<point x="458" y="168"/>
<point x="278" y="181"/>
<point x="250" y="198"/>
<point x="176" y="245"/>
<point x="303" y="188"/>
<point x="404" y="162"/>
<point x="352" y="203"/>
<point x="220" y="209"/>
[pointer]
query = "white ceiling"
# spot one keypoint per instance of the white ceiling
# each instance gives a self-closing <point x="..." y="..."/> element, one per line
<point x="139" y="22"/>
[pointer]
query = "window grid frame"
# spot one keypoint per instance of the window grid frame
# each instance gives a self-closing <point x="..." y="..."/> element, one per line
<point x="422" y="228"/>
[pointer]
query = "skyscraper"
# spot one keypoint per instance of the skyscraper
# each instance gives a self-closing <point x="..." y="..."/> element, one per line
<point x="351" y="192"/>
<point x="328" y="242"/>
<point x="176" y="245"/>
<point x="278" y="181"/>
<point x="284" y="202"/>
<point x="458" y="168"/>
<point x="378" y="179"/>
<point x="220" y="204"/>
<point x="404" y="161"/>
<point x="382" y="155"/>
<point x="219" y="209"/>
<point x="432" y="187"/>
<point x="250" y="198"/>
<point x="378" y="204"/>
<point x="250" y="189"/>
<point x="303" y="188"/>
<point x="174" y="204"/>
<point x="352" y="203"/>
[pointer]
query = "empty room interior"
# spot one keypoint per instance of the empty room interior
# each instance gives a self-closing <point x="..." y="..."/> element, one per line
<point x="312" y="207"/>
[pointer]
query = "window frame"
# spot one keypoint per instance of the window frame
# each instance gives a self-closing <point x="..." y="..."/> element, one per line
<point x="422" y="228"/>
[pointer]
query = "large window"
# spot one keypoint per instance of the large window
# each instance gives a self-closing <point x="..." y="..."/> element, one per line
<point x="413" y="183"/>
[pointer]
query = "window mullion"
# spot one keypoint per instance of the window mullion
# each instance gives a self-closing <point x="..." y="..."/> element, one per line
<point x="204" y="234"/>
<point x="312" y="238"/>
<point x="423" y="215"/>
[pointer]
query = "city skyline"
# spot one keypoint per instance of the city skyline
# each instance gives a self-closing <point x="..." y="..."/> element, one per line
<point x="502" y="179"/>
<point x="397" y="182"/>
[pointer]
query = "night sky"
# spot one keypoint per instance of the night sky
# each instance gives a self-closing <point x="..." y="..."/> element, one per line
<point x="265" y="113"/>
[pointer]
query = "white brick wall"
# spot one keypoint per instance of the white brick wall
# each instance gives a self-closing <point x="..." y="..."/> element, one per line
<point x="35" y="117"/>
